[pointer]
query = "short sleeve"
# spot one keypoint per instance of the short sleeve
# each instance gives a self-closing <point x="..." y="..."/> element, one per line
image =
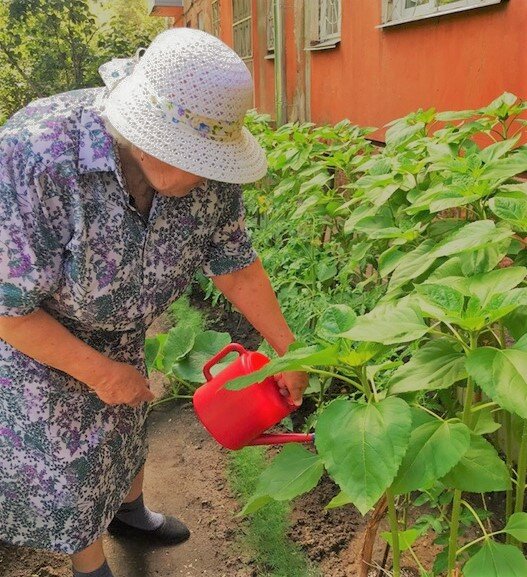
<point x="30" y="250"/>
<point x="230" y="246"/>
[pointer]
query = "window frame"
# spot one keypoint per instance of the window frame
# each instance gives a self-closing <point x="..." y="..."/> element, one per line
<point x="238" y="22"/>
<point x="269" y="26"/>
<point x="200" y="20"/>
<point x="395" y="13"/>
<point x="323" y="35"/>
<point x="215" y="18"/>
<point x="317" y="38"/>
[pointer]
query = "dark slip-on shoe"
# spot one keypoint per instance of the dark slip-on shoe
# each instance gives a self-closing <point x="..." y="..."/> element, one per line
<point x="171" y="532"/>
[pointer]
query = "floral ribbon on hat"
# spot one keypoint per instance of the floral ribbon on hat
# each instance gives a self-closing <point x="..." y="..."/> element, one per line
<point x="117" y="69"/>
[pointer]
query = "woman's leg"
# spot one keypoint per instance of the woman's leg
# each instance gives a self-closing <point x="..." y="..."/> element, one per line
<point x="135" y="518"/>
<point x="89" y="559"/>
<point x="136" y="488"/>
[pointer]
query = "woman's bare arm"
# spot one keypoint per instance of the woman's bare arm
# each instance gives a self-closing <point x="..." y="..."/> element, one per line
<point x="250" y="291"/>
<point x="41" y="337"/>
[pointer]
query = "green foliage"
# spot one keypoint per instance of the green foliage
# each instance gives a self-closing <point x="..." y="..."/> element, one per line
<point x="496" y="560"/>
<point x="398" y="279"/>
<point x="52" y="46"/>
<point x="265" y="536"/>
<point x="293" y="472"/>
<point x="354" y="438"/>
<point x="181" y="353"/>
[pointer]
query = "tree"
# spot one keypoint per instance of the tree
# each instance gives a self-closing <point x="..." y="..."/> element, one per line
<point x="52" y="46"/>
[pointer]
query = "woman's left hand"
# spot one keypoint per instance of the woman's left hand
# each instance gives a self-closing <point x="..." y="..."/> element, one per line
<point x="293" y="384"/>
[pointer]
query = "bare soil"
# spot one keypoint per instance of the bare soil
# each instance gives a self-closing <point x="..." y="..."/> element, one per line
<point x="186" y="477"/>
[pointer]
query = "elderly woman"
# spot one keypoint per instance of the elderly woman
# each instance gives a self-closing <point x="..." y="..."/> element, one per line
<point x="110" y="200"/>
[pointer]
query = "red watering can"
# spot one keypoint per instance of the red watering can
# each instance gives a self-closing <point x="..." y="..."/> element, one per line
<point x="238" y="418"/>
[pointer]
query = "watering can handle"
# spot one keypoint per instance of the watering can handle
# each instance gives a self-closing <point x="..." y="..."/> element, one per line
<point x="230" y="348"/>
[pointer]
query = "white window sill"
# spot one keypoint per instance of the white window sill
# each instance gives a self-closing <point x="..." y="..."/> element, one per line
<point x="326" y="45"/>
<point x="436" y="14"/>
<point x="270" y="56"/>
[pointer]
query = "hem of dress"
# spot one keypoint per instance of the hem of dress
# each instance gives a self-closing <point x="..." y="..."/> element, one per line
<point x="67" y="550"/>
<point x="100" y="533"/>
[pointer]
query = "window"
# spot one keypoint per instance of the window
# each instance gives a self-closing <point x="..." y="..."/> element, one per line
<point x="399" y="11"/>
<point x="324" y="18"/>
<point x="201" y="21"/>
<point x="241" y="28"/>
<point x="270" y="26"/>
<point x="215" y="18"/>
<point x="329" y="20"/>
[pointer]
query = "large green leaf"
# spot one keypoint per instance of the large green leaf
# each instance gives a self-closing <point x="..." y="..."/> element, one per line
<point x="496" y="560"/>
<point x="512" y="208"/>
<point x="479" y="470"/>
<point x="437" y="365"/>
<point x="335" y="320"/>
<point x="339" y="501"/>
<point x="362" y="446"/>
<point x="433" y="450"/>
<point x="470" y="237"/>
<point x="440" y="301"/>
<point x="206" y="345"/>
<point x="293" y="472"/>
<point x="486" y="285"/>
<point x="388" y="324"/>
<point x="298" y="359"/>
<point x="473" y="236"/>
<point x="517" y="526"/>
<point x="504" y="168"/>
<point x="179" y="343"/>
<point x="413" y="264"/>
<point x="483" y="422"/>
<point x="498" y="149"/>
<point x="502" y="375"/>
<point x="516" y="322"/>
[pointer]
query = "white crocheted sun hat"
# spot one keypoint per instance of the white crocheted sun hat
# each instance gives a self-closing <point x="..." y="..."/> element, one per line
<point x="184" y="102"/>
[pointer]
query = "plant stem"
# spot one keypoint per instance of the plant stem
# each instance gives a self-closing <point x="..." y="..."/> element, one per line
<point x="456" y="502"/>
<point x="486" y="536"/>
<point x="469" y="397"/>
<point x="361" y="373"/>
<point x="454" y="527"/>
<point x="170" y="398"/>
<point x="394" y="528"/>
<point x="337" y="376"/>
<point x="522" y="472"/>
<point x="419" y="564"/>
<point x="509" y="496"/>
<point x="484" y="406"/>
<point x="475" y="515"/>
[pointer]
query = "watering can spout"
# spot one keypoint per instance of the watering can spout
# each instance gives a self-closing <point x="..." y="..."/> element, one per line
<point x="270" y="439"/>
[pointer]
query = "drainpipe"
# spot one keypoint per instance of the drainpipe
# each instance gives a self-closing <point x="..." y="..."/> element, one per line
<point x="279" y="63"/>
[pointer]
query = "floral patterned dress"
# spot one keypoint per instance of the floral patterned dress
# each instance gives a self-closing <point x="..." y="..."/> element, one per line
<point x="72" y="244"/>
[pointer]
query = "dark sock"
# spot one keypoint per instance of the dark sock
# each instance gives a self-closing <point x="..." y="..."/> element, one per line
<point x="138" y="515"/>
<point x="102" y="571"/>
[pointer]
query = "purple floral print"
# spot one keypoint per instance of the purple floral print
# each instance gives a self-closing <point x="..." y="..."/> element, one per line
<point x="72" y="244"/>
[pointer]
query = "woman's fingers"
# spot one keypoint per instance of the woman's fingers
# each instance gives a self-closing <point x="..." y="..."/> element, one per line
<point x="293" y="384"/>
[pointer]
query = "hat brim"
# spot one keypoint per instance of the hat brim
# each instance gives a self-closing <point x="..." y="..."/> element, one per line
<point x="240" y="161"/>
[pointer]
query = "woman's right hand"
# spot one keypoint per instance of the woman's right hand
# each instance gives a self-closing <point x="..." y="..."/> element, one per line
<point x="123" y="384"/>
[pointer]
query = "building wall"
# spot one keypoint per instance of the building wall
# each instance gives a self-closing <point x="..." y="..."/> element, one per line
<point x="460" y="61"/>
<point x="376" y="75"/>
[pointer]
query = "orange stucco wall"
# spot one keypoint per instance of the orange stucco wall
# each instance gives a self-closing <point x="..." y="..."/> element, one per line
<point x="375" y="75"/>
<point x="450" y="62"/>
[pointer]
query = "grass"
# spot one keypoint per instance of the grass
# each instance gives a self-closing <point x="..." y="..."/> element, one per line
<point x="265" y="534"/>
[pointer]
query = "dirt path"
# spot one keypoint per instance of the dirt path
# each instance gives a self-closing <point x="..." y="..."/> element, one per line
<point x="184" y="477"/>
